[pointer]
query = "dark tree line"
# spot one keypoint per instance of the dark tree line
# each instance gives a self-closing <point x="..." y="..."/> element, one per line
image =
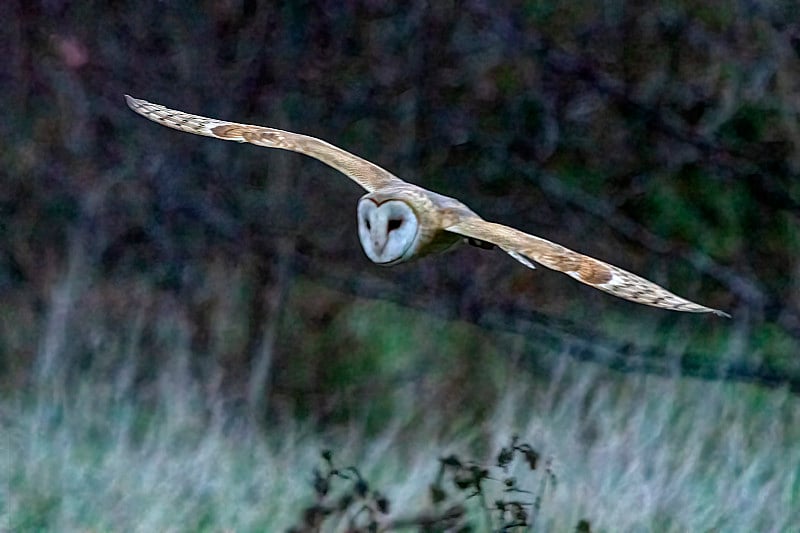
<point x="663" y="137"/>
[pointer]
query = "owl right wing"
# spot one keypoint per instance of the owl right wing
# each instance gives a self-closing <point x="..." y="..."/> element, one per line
<point x="368" y="175"/>
<point x="527" y="249"/>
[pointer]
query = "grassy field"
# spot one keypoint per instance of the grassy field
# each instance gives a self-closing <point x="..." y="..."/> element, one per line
<point x="101" y="452"/>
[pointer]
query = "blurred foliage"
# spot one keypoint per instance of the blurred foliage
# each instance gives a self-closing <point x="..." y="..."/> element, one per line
<point x="465" y="495"/>
<point x="662" y="136"/>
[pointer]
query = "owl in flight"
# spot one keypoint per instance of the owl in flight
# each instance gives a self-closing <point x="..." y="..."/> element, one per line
<point x="399" y="221"/>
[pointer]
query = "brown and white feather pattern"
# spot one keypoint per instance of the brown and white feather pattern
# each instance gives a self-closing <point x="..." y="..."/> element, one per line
<point x="369" y="175"/>
<point x="439" y="220"/>
<point x="583" y="268"/>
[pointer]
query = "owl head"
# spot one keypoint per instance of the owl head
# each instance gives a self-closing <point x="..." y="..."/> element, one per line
<point x="388" y="228"/>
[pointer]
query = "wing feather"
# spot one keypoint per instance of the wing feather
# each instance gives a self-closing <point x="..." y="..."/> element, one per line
<point x="613" y="280"/>
<point x="367" y="174"/>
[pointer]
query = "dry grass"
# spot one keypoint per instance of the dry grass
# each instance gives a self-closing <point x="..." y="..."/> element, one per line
<point x="102" y="439"/>
<point x="630" y="453"/>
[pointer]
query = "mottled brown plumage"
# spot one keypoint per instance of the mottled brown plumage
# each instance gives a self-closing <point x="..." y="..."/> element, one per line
<point x="429" y="222"/>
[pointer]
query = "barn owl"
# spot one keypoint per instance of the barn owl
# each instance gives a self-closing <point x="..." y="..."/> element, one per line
<point x="399" y="221"/>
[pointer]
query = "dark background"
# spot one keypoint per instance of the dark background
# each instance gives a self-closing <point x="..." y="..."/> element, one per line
<point x="662" y="138"/>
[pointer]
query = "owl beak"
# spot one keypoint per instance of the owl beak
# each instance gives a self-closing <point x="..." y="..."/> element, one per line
<point x="378" y="243"/>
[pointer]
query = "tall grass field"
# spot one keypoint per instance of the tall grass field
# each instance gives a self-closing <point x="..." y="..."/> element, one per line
<point x="109" y="442"/>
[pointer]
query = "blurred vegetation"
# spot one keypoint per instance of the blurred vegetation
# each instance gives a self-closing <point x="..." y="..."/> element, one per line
<point x="115" y="452"/>
<point x="498" y="502"/>
<point x="662" y="137"/>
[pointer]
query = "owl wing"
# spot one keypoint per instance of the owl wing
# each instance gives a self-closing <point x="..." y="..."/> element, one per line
<point x="368" y="175"/>
<point x="614" y="280"/>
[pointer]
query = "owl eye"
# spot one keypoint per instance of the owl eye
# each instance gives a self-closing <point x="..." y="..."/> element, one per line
<point x="394" y="224"/>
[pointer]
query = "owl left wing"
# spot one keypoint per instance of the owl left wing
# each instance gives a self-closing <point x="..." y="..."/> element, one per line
<point x="367" y="174"/>
<point x="526" y="248"/>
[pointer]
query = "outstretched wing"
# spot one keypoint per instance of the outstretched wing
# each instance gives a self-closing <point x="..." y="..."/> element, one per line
<point x="368" y="175"/>
<point x="527" y="248"/>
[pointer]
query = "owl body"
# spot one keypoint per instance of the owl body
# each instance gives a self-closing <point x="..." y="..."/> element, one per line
<point x="410" y="218"/>
<point x="399" y="221"/>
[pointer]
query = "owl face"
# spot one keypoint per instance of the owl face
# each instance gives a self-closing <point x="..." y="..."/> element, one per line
<point x="388" y="230"/>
